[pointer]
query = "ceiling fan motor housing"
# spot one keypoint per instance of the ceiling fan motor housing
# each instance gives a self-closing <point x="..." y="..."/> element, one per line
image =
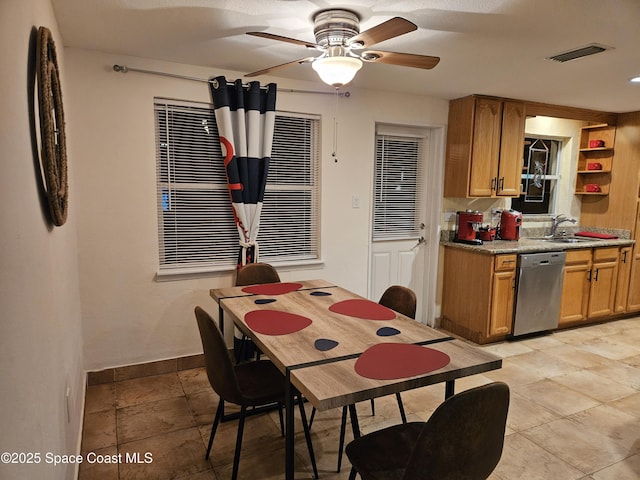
<point x="335" y="27"/>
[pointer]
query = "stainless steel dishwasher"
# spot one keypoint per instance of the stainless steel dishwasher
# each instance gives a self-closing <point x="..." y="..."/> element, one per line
<point x="538" y="292"/>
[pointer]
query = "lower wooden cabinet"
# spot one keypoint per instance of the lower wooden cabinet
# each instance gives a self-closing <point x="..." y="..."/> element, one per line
<point x="478" y="294"/>
<point x="589" y="285"/>
<point x="624" y="276"/>
<point x="575" y="287"/>
<point x="604" y="280"/>
<point x="502" y="295"/>
<point x="633" y="298"/>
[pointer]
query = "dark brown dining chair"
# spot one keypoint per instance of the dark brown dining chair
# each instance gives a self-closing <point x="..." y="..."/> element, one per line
<point x="253" y="384"/>
<point x="402" y="300"/>
<point x="463" y="439"/>
<point x="255" y="273"/>
<point x="252" y="274"/>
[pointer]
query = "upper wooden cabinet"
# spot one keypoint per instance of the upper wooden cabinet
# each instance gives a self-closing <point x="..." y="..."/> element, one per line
<point x="485" y="144"/>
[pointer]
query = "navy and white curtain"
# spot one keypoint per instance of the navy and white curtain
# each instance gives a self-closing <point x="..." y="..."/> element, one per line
<point x="245" y="116"/>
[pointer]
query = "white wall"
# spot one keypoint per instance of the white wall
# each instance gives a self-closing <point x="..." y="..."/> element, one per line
<point x="40" y="322"/>
<point x="128" y="316"/>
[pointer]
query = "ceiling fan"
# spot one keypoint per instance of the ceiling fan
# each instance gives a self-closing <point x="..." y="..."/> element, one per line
<point x="344" y="47"/>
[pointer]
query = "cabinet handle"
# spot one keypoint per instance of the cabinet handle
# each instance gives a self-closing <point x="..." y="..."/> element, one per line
<point x="624" y="256"/>
<point x="501" y="184"/>
<point x="494" y="183"/>
<point x="589" y="275"/>
<point x="596" y="275"/>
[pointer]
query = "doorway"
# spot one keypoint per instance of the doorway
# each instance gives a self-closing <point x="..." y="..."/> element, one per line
<point x="407" y="196"/>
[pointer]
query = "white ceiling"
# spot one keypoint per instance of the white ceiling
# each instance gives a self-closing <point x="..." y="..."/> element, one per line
<point x="493" y="47"/>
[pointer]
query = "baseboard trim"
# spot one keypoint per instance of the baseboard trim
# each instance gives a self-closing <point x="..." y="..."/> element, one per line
<point x="129" y="372"/>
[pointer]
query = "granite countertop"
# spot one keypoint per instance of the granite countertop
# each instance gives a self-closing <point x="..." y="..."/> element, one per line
<point x="531" y="243"/>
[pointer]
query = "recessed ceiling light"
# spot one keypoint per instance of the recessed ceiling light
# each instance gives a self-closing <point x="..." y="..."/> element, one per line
<point x="635" y="79"/>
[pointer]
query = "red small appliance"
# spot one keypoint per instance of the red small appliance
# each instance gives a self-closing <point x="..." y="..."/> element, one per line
<point x="467" y="224"/>
<point x="510" y="222"/>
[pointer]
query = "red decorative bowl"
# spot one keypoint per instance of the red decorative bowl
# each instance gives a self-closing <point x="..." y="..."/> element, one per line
<point x="596" y="143"/>
<point x="594" y="166"/>
<point x="592" y="187"/>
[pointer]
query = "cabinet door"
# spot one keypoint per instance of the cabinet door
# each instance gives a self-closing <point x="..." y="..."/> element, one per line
<point x="486" y="147"/>
<point x="575" y="287"/>
<point x="633" y="300"/>
<point x="602" y="294"/>
<point x="502" y="303"/>
<point x="511" y="149"/>
<point x="624" y="274"/>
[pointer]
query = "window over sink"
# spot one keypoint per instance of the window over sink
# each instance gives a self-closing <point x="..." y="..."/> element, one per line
<point x="540" y="176"/>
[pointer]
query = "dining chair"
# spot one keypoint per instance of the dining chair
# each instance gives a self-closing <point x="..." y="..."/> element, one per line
<point x="252" y="274"/>
<point x="463" y="439"/>
<point x="255" y="273"/>
<point x="402" y="300"/>
<point x="254" y="384"/>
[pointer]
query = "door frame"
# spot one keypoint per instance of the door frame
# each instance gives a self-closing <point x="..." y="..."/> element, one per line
<point x="427" y="309"/>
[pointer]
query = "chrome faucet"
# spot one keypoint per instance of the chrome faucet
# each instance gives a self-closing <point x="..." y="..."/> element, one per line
<point x="557" y="220"/>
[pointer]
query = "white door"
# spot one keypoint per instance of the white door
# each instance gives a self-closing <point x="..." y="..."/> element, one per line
<point x="402" y="239"/>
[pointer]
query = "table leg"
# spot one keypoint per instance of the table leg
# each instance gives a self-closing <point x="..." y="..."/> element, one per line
<point x="289" y="428"/>
<point x="221" y="319"/>
<point x="354" y="421"/>
<point x="449" y="388"/>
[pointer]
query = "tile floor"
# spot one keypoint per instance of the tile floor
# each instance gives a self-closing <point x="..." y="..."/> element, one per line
<point x="574" y="414"/>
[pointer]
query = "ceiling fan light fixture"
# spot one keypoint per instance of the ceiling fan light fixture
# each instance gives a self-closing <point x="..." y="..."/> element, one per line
<point x="337" y="71"/>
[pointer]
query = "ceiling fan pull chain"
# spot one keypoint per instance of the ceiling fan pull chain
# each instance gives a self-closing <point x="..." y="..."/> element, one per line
<point x="335" y="128"/>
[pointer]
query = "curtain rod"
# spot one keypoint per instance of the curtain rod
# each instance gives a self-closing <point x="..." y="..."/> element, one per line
<point x="125" y="69"/>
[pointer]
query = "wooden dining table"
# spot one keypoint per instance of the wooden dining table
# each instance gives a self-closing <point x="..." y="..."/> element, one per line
<point x="338" y="348"/>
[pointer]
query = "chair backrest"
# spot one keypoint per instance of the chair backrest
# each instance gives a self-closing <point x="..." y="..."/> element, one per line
<point x="401" y="299"/>
<point x="255" y="273"/>
<point x="464" y="437"/>
<point x="220" y="370"/>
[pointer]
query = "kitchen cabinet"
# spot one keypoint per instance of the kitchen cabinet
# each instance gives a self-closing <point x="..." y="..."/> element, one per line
<point x="485" y="142"/>
<point x="575" y="287"/>
<point x="589" y="285"/>
<point x="603" y="282"/>
<point x="633" y="298"/>
<point x="502" y="295"/>
<point x="478" y="294"/>
<point x="595" y="159"/>
<point x="624" y="276"/>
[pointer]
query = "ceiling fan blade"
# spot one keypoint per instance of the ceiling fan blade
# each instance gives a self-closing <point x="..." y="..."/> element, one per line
<point x="270" y="69"/>
<point x="391" y="28"/>
<point x="402" y="59"/>
<point x="280" y="38"/>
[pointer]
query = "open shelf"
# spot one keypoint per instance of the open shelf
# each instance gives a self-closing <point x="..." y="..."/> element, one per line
<point x="595" y="162"/>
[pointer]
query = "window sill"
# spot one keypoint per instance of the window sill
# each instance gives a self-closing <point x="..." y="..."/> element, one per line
<point x="193" y="273"/>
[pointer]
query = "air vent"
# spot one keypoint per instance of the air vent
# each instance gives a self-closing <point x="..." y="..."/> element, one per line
<point x="578" y="53"/>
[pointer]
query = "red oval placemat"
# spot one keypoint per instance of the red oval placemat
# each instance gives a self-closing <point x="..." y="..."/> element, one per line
<point x="388" y="361"/>
<point x="275" y="322"/>
<point x="365" y="309"/>
<point x="272" y="288"/>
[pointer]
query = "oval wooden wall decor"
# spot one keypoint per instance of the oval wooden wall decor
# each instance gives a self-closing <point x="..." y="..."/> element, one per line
<point x="52" y="133"/>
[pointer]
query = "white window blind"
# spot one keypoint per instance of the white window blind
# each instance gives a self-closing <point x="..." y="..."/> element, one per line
<point x="398" y="192"/>
<point x="196" y="229"/>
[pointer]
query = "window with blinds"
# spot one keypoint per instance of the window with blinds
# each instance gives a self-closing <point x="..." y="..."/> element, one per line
<point x="196" y="228"/>
<point x="398" y="193"/>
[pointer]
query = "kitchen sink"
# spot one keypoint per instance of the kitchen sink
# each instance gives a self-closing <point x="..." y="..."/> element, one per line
<point x="568" y="240"/>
